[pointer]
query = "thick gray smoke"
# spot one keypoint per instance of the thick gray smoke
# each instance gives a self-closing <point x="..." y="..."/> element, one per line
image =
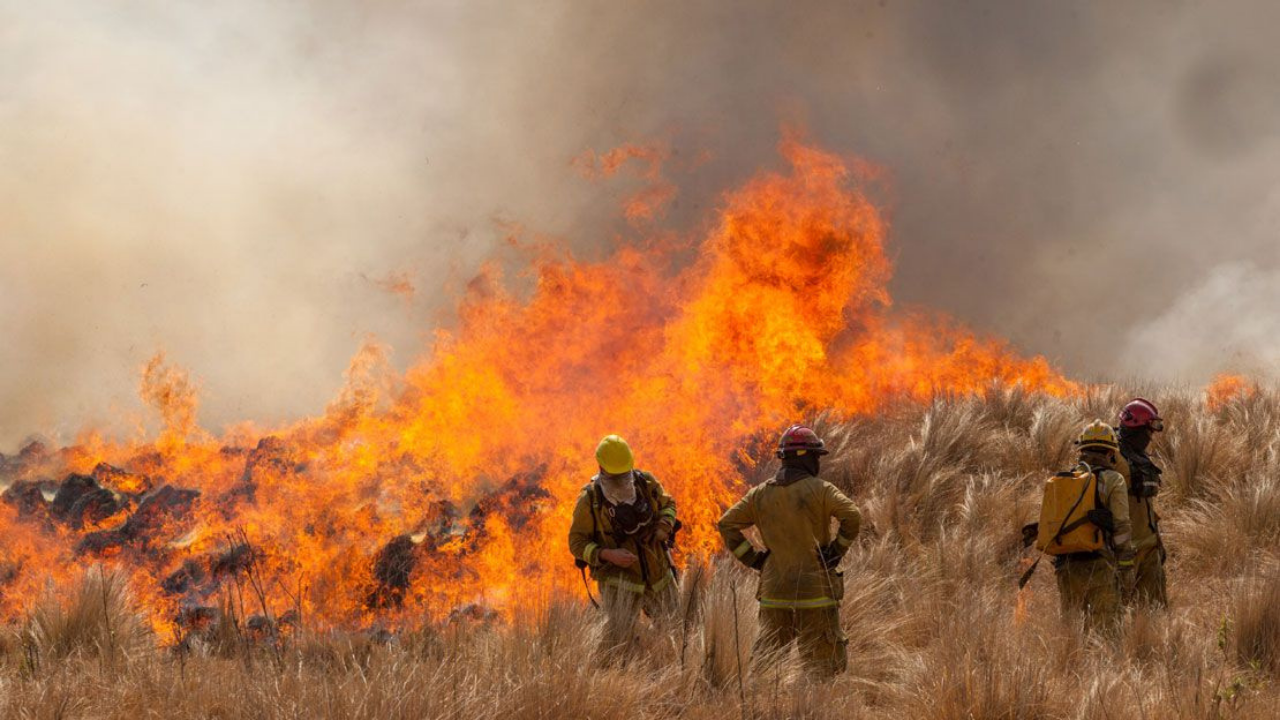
<point x="243" y="184"/>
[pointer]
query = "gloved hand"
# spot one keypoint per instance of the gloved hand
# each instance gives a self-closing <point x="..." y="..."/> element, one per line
<point x="662" y="533"/>
<point x="757" y="563"/>
<point x="830" y="555"/>
<point x="619" y="557"/>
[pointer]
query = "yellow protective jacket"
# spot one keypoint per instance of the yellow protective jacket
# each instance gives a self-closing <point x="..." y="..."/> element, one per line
<point x="1142" y="514"/>
<point x="592" y="531"/>
<point x="794" y="521"/>
<point x="1113" y="490"/>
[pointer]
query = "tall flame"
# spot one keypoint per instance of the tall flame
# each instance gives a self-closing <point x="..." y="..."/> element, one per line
<point x="477" y="453"/>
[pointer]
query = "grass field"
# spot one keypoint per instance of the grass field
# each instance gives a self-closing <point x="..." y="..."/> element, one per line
<point x="936" y="627"/>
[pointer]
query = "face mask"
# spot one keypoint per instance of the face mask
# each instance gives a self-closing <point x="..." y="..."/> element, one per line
<point x="1138" y="439"/>
<point x="796" y="467"/>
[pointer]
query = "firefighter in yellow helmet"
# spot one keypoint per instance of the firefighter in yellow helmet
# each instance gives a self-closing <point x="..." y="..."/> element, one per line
<point x="1138" y="421"/>
<point x="1090" y="583"/>
<point x="800" y="586"/>
<point x="622" y="529"/>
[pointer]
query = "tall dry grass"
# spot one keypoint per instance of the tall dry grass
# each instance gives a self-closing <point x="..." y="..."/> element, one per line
<point x="936" y="628"/>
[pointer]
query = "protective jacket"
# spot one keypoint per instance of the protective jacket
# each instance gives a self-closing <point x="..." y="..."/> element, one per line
<point x="600" y="525"/>
<point x="793" y="516"/>
<point x="1139" y="472"/>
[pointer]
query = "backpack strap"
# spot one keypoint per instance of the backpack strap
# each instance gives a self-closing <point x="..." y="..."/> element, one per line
<point x="642" y="480"/>
<point x="597" y="501"/>
<point x="595" y="536"/>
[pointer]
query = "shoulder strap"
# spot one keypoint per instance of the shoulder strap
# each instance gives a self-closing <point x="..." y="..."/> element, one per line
<point x="644" y="484"/>
<point x="596" y="500"/>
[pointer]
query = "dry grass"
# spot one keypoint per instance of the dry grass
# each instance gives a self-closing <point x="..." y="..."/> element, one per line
<point x="929" y="610"/>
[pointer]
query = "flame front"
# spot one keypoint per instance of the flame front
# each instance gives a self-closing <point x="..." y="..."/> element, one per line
<point x="472" y="460"/>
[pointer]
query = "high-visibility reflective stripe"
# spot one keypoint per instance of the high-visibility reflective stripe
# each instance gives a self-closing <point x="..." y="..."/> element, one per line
<point x="670" y="512"/>
<point x="624" y="584"/>
<point x="589" y="553"/>
<point x="621" y="584"/>
<point x="844" y="541"/>
<point x="665" y="581"/>
<point x="798" y="604"/>
<point x="742" y="549"/>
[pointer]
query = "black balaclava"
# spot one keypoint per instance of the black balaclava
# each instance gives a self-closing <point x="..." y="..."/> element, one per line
<point x="1097" y="457"/>
<point x="1137" y="439"/>
<point x="797" y="467"/>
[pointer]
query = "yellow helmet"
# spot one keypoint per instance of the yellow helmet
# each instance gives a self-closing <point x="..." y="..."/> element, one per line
<point x="614" y="455"/>
<point x="1098" y="434"/>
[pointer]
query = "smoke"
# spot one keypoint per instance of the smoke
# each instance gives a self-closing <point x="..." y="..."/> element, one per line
<point x="256" y="187"/>
<point x="1232" y="314"/>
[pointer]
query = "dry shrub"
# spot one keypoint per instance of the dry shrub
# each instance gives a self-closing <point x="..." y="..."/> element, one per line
<point x="729" y="626"/>
<point x="1201" y="449"/>
<point x="10" y="647"/>
<point x="919" y="482"/>
<point x="1104" y="402"/>
<point x="1232" y="523"/>
<point x="1053" y="427"/>
<point x="1011" y="407"/>
<point x="929" y="607"/>
<point x="1255" y="419"/>
<point x="874" y="616"/>
<point x="1256" y="623"/>
<point x="96" y="618"/>
<point x="982" y="667"/>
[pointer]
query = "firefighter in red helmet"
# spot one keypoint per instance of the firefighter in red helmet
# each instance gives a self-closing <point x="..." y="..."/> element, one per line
<point x="800" y="585"/>
<point x="1139" y="420"/>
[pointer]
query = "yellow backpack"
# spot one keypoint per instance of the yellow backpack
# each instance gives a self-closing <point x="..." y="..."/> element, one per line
<point x="1072" y="516"/>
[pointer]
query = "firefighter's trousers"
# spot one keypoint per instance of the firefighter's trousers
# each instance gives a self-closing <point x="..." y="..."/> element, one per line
<point x="622" y="608"/>
<point x="817" y="633"/>
<point x="1150" y="588"/>
<point x="1090" y="592"/>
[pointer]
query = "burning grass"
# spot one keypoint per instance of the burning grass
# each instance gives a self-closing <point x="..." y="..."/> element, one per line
<point x="450" y="485"/>
<point x="930" y="608"/>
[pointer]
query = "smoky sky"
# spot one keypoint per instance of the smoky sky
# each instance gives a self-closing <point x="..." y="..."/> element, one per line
<point x="241" y="184"/>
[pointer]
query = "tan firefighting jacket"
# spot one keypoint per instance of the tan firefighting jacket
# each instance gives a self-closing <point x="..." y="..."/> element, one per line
<point x="794" y="521"/>
<point x="1114" y="491"/>
<point x="1142" y="514"/>
<point x="592" y="531"/>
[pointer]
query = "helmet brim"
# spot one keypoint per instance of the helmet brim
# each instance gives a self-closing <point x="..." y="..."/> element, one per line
<point x="819" y="451"/>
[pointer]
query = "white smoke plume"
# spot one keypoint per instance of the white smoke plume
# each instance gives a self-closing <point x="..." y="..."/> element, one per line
<point x="254" y="187"/>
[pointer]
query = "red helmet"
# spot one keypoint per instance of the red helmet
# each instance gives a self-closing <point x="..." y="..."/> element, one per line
<point x="799" y="438"/>
<point x="1141" y="412"/>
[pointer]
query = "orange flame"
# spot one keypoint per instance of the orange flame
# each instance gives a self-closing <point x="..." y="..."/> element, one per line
<point x="1227" y="388"/>
<point x="461" y="475"/>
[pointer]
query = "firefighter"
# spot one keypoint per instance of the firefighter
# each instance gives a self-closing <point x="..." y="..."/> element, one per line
<point x="1138" y="421"/>
<point x="1090" y="583"/>
<point x="800" y="586"/>
<point x="622" y="528"/>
